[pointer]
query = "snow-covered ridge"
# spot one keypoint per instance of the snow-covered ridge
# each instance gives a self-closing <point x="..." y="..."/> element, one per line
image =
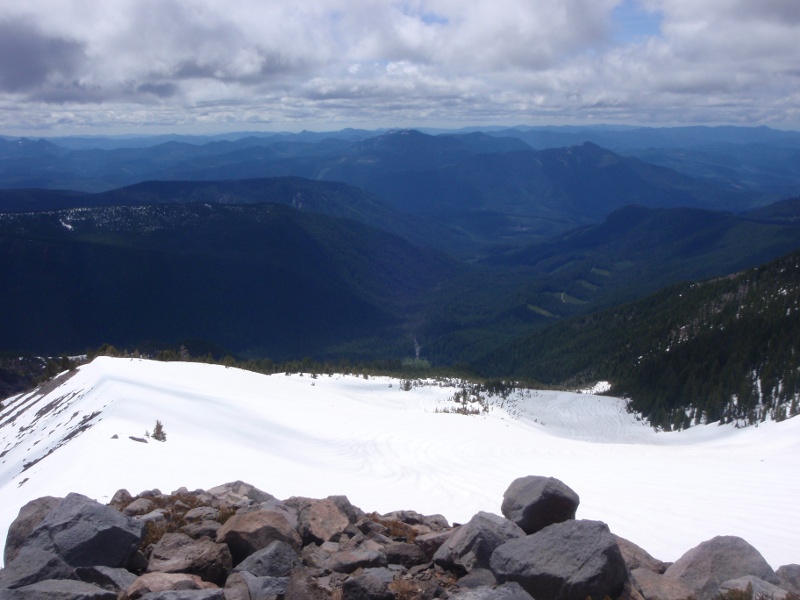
<point x="386" y="448"/>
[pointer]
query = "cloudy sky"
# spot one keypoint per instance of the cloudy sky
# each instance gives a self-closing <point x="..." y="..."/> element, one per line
<point x="127" y="66"/>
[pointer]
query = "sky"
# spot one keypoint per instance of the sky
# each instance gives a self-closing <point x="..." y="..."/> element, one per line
<point x="128" y="66"/>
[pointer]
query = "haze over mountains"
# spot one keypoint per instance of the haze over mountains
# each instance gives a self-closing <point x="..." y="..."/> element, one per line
<point x="451" y="246"/>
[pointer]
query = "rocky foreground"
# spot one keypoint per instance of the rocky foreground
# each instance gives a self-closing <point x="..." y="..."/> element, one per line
<point x="236" y="542"/>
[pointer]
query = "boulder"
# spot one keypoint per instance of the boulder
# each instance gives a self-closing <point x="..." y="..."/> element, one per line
<point x="655" y="586"/>
<point x="276" y="560"/>
<point x="507" y="591"/>
<point x="703" y="568"/>
<point x="178" y="553"/>
<point x="636" y="557"/>
<point x="161" y="582"/>
<point x="431" y="542"/>
<point x="106" y="577"/>
<point x="202" y="513"/>
<point x="27" y="520"/>
<point x="200" y="529"/>
<point x="140" y="506"/>
<point x="477" y="578"/>
<point x="759" y="587"/>
<point x="245" y="586"/>
<point x="121" y="497"/>
<point x="535" y="502"/>
<point x="403" y="553"/>
<point x="573" y="560"/>
<point x="372" y="584"/>
<point x="239" y="493"/>
<point x="790" y="577"/>
<point x="302" y="586"/>
<point x="472" y="544"/>
<point x="353" y="513"/>
<point x="35" y="563"/>
<point x="246" y="532"/>
<point x="51" y="589"/>
<point x="350" y="560"/>
<point x="319" y="520"/>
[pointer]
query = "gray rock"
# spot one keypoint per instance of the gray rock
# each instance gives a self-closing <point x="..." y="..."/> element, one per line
<point x="478" y="578"/>
<point x="121" y="497"/>
<point x="353" y="513"/>
<point x="162" y="582"/>
<point x="200" y="529"/>
<point x="758" y="586"/>
<point x="431" y="542"/>
<point x="247" y="532"/>
<point x="202" y="513"/>
<point x="402" y="553"/>
<point x="106" y="577"/>
<point x="302" y="586"/>
<point x="349" y="561"/>
<point x="790" y="577"/>
<point x="29" y="517"/>
<point x="655" y="586"/>
<point x="372" y="584"/>
<point x="472" y="544"/>
<point x="178" y="553"/>
<point x="573" y="560"/>
<point x="154" y="516"/>
<point x="318" y="520"/>
<point x="636" y="557"/>
<point x="249" y="587"/>
<point x="276" y="560"/>
<point x="703" y="568"/>
<point x="35" y="563"/>
<point x="535" y="502"/>
<point x="507" y="591"/>
<point x="51" y="589"/>
<point x="140" y="506"/>
<point x="239" y="493"/>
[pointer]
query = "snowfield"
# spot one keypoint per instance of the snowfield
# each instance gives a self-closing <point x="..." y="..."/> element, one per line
<point x="388" y="449"/>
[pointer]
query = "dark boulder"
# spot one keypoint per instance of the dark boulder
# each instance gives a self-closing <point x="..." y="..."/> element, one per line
<point x="790" y="577"/>
<point x="51" y="589"/>
<point x="178" y="553"/>
<point x="573" y="560"/>
<point x="535" y="502"/>
<point x="85" y="533"/>
<point x="276" y="560"/>
<point x="372" y="584"/>
<point x="247" y="532"/>
<point x="703" y="568"/>
<point x="472" y="544"/>
<point x="106" y="577"/>
<point x="29" y="517"/>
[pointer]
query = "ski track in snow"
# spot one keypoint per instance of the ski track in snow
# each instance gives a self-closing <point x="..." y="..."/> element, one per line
<point x="387" y="449"/>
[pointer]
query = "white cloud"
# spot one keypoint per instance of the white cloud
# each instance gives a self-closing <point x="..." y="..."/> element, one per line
<point x="384" y="62"/>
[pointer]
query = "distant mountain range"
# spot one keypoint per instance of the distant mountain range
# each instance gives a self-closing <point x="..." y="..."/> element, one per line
<point x="469" y="248"/>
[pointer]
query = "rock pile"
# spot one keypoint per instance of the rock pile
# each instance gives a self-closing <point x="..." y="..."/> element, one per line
<point x="235" y="542"/>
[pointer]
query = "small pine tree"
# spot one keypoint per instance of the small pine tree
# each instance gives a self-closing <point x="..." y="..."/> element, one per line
<point x="158" y="432"/>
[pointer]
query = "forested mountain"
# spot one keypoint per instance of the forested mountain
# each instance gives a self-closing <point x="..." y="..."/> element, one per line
<point x="262" y="280"/>
<point x="724" y="349"/>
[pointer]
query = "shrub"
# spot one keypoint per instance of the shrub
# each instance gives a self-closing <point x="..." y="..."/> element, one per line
<point x="158" y="432"/>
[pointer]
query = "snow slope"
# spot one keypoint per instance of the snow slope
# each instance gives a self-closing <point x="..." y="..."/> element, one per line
<point x="388" y="449"/>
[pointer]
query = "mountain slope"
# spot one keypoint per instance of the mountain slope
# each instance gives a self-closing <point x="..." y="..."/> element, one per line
<point x="538" y="193"/>
<point x="388" y="449"/>
<point x="722" y="349"/>
<point x="262" y="279"/>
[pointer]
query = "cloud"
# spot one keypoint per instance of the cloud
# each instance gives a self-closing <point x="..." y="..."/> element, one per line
<point x="386" y="62"/>
<point x="29" y="58"/>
